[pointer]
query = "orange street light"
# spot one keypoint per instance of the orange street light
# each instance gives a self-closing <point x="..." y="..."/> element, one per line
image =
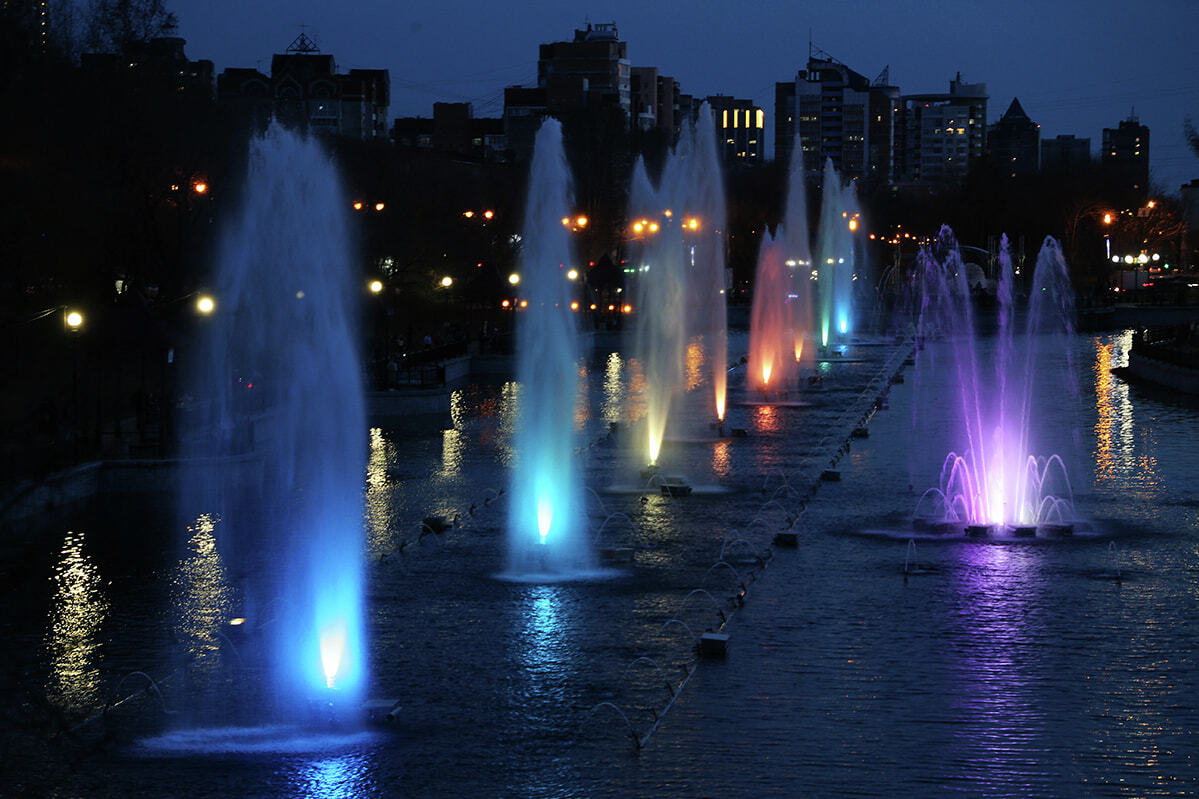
<point x="582" y="221"/>
<point x="358" y="206"/>
<point x="200" y="187"/>
<point x="375" y="286"/>
<point x="379" y="206"/>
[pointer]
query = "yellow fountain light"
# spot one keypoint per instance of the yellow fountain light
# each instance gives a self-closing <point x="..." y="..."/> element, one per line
<point x="545" y="518"/>
<point x="720" y="408"/>
<point x="766" y="370"/>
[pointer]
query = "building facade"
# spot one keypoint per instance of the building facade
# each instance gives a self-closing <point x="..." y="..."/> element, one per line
<point x="1065" y="153"/>
<point x="306" y="90"/>
<point x="596" y="62"/>
<point x="837" y="114"/>
<point x="740" y="129"/>
<point x="1125" y="157"/>
<point x="1014" y="143"/>
<point x="940" y="136"/>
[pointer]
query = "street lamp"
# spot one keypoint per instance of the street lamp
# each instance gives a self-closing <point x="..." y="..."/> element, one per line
<point x="572" y="274"/>
<point x="514" y="279"/>
<point x="205" y="304"/>
<point x="375" y="286"/>
<point x="74" y="321"/>
<point x="447" y="281"/>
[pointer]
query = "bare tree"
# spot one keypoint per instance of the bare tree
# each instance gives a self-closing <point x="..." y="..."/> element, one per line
<point x="112" y="24"/>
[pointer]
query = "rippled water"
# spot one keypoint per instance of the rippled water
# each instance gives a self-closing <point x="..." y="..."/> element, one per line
<point x="1003" y="669"/>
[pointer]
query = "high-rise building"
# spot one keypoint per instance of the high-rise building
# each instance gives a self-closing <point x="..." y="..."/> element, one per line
<point x="596" y="61"/>
<point x="940" y="136"/>
<point x="1125" y="157"/>
<point x="31" y="20"/>
<point x="1065" y="153"/>
<point x="643" y="94"/>
<point x="305" y="88"/>
<point x="159" y="64"/>
<point x="740" y="129"/>
<point x="1014" y="143"/>
<point x="839" y="114"/>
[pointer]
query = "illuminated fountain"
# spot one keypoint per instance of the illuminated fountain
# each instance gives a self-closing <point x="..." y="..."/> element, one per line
<point x="996" y="477"/>
<point x="771" y="342"/>
<point x="546" y="539"/>
<point x="703" y="227"/>
<point x="835" y="265"/>
<point x="678" y="254"/>
<point x="781" y="311"/>
<point x="281" y="391"/>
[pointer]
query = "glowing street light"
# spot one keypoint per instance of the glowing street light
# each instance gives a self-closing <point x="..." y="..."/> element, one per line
<point x="853" y="225"/>
<point x="74" y="321"/>
<point x="488" y="214"/>
<point x="1107" y="218"/>
<point x="200" y="187"/>
<point x="358" y="205"/>
<point x="447" y="281"/>
<point x="572" y="274"/>
<point x="375" y="286"/>
<point x="692" y="224"/>
<point x="582" y="221"/>
<point x="514" y="279"/>
<point x="205" y="304"/>
<point x="468" y="214"/>
<point x="379" y="206"/>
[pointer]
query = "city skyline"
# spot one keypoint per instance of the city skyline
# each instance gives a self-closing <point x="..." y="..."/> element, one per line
<point x="1069" y="83"/>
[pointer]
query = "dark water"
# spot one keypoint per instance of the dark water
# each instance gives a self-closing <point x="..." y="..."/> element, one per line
<point x="1004" y="669"/>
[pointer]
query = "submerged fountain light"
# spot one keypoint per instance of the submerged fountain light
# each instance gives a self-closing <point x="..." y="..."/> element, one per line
<point x="333" y="646"/>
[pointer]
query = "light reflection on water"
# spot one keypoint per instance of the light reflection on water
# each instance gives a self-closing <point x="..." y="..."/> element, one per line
<point x="202" y="595"/>
<point x="78" y="610"/>
<point x="378" y="495"/>
<point x="346" y="776"/>
<point x="693" y="370"/>
<point x="612" y="404"/>
<point x="994" y="670"/>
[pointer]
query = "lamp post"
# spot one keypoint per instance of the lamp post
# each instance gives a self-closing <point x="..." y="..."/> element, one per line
<point x="73" y="321"/>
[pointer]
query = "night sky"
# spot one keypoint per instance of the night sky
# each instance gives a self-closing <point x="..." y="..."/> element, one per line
<point x="1075" y="66"/>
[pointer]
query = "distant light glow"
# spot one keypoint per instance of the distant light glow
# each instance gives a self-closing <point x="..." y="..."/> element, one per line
<point x="379" y="206"/>
<point x="200" y="187"/>
<point x="488" y="214"/>
<point x="582" y="221"/>
<point x="843" y="324"/>
<point x="573" y="274"/>
<point x="358" y="206"/>
<point x="205" y="304"/>
<point x="74" y="320"/>
<point x="447" y="281"/>
<point x="545" y="518"/>
<point x="375" y="286"/>
<point x="514" y="278"/>
<point x="766" y="370"/>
